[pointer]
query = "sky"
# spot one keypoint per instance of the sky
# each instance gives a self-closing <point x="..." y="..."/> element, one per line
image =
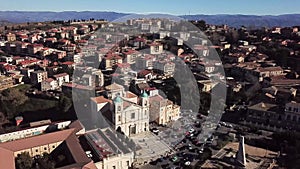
<point x="175" y="7"/>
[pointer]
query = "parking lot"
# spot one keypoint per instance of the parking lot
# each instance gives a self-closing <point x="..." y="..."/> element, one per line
<point x="175" y="131"/>
<point x="181" y="143"/>
<point x="181" y="137"/>
<point x="191" y="139"/>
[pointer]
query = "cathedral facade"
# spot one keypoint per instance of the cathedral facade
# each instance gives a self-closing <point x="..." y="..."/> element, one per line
<point x="131" y="118"/>
<point x="123" y="110"/>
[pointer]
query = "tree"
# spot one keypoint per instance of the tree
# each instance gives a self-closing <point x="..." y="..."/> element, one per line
<point x="23" y="161"/>
<point x="45" y="162"/>
<point x="10" y="99"/>
<point x="289" y="144"/>
<point x="200" y="24"/>
<point x="65" y="103"/>
<point x="205" y="101"/>
<point x="282" y="55"/>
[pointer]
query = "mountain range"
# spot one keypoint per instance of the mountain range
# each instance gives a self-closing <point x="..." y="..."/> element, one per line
<point x="231" y="20"/>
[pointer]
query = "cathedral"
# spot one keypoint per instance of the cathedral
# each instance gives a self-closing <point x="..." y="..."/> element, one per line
<point x="125" y="111"/>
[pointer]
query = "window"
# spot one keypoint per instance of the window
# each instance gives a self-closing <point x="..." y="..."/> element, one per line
<point x="45" y="148"/>
<point x="114" y="167"/>
<point x="119" y="108"/>
<point x="127" y="163"/>
<point x="36" y="150"/>
<point x="132" y="115"/>
<point x="119" y="118"/>
<point x="295" y="110"/>
<point x="53" y="146"/>
<point x="294" y="118"/>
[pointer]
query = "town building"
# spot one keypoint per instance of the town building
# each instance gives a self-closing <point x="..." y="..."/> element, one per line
<point x="6" y="82"/>
<point x="130" y="55"/>
<point x="63" y="142"/>
<point x="165" y="67"/>
<point x="34" y="48"/>
<point x="38" y="76"/>
<point x="10" y="37"/>
<point x="156" y="48"/>
<point x="235" y="57"/>
<point x="272" y="117"/>
<point x="109" y="149"/>
<point x="110" y="60"/>
<point x="49" y="84"/>
<point x="62" y="78"/>
<point x="144" y="62"/>
<point x="162" y="110"/>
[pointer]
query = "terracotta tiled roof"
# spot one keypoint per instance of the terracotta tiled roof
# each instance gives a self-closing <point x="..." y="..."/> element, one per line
<point x="7" y="159"/>
<point x="114" y="86"/>
<point x="60" y="75"/>
<point x="144" y="72"/>
<point x="76" y="125"/>
<point x="156" y="98"/>
<point x="100" y="99"/>
<point x="35" y="141"/>
<point x="27" y="62"/>
<point x="129" y="52"/>
<point x="123" y="65"/>
<point x="112" y="56"/>
<point x="143" y="86"/>
<point x="139" y="39"/>
<point x="130" y="95"/>
<point x="49" y="80"/>
<point x="126" y="104"/>
<point x="77" y="86"/>
<point x="68" y="138"/>
<point x="68" y="63"/>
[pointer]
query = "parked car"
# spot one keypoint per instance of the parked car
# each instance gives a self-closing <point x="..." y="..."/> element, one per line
<point x="175" y="158"/>
<point x="187" y="163"/>
<point x="155" y="131"/>
<point x="191" y="130"/>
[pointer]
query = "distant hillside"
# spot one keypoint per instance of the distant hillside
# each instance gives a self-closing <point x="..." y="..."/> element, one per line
<point x="22" y="16"/>
<point x="231" y="20"/>
<point x="4" y="22"/>
<point x="249" y="20"/>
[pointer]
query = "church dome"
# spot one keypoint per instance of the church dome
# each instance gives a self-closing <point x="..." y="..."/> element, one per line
<point x="118" y="99"/>
<point x="145" y="95"/>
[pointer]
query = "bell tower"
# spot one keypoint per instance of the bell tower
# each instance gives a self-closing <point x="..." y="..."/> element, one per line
<point x="145" y="111"/>
<point x="145" y="99"/>
<point x="118" y="102"/>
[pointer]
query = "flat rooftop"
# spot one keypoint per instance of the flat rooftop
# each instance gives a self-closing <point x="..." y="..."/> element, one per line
<point x="106" y="143"/>
<point x="264" y="107"/>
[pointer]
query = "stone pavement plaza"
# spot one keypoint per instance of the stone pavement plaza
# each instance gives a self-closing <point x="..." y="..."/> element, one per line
<point x="152" y="147"/>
